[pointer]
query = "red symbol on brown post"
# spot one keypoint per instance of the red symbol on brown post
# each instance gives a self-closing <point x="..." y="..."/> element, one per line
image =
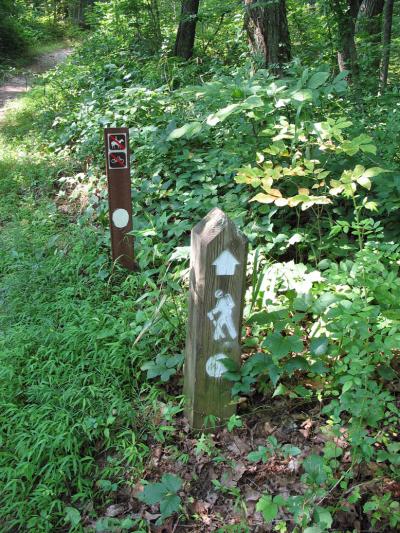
<point x="119" y="195"/>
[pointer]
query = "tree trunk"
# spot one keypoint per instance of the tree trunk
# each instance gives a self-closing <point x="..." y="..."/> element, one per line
<point x="156" y="23"/>
<point x="346" y="19"/>
<point x="386" y="39"/>
<point x="369" y="22"/>
<point x="369" y="17"/>
<point x="187" y="29"/>
<point x="370" y="8"/>
<point x="267" y="29"/>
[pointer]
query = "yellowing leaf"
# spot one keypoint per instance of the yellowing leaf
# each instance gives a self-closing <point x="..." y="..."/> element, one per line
<point x="298" y="199"/>
<point x="371" y="206"/>
<point x="281" y="202"/>
<point x="364" y="182"/>
<point x="336" y="190"/>
<point x="263" y="198"/>
<point x="321" y="200"/>
<point x="304" y="191"/>
<point x="267" y="183"/>
<point x="274" y="192"/>
<point x="260" y="158"/>
<point x="358" y="171"/>
<point x="222" y="114"/>
<point x="303" y="95"/>
<point x="374" y="171"/>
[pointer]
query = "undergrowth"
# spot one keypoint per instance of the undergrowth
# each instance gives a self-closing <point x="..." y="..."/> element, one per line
<point x="82" y="418"/>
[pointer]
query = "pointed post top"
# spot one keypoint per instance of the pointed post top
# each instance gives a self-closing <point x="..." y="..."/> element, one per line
<point x="215" y="223"/>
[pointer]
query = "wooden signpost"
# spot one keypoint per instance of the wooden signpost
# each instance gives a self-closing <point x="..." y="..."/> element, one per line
<point x="119" y="195"/>
<point x="217" y="283"/>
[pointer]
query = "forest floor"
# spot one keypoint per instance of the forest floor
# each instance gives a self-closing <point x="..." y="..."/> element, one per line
<point x="20" y="84"/>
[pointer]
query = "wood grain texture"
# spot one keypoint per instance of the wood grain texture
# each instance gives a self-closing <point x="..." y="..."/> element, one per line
<point x="119" y="197"/>
<point x="206" y="395"/>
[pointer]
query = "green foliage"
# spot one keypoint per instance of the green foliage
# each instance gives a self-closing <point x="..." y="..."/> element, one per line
<point x="234" y="422"/>
<point x="76" y="411"/>
<point x="273" y="448"/>
<point x="163" y="494"/>
<point x="163" y="367"/>
<point x="267" y="507"/>
<point x="12" y="40"/>
<point x="27" y="26"/>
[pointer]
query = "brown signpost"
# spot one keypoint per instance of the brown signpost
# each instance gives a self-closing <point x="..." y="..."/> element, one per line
<point x="217" y="283"/>
<point x="119" y="195"/>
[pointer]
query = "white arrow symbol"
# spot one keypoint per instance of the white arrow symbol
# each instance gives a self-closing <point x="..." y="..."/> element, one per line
<point x="226" y="264"/>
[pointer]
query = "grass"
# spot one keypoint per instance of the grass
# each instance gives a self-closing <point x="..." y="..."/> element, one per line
<point x="71" y="388"/>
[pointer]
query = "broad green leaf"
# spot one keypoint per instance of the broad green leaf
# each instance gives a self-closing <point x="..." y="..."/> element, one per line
<point x="317" y="79"/>
<point x="324" y="301"/>
<point x="152" y="493"/>
<point x="374" y="171"/>
<point x="274" y="373"/>
<point x="261" y="454"/>
<point x="169" y="505"/>
<point x="289" y="450"/>
<point x="332" y="451"/>
<point x="72" y="515"/>
<point x="368" y="148"/>
<point x="302" y="391"/>
<point x="189" y="130"/>
<point x="319" y="368"/>
<point x="222" y="114"/>
<point x="127" y="523"/>
<point x="267" y="508"/>
<point x="303" y="95"/>
<point x="253" y="101"/>
<point x="314" y="468"/>
<point x="319" y="346"/>
<point x="279" y="346"/>
<point x="172" y="482"/>
<point x="323" y="517"/>
<point x="296" y="363"/>
<point x="280" y="389"/>
<point x="386" y="372"/>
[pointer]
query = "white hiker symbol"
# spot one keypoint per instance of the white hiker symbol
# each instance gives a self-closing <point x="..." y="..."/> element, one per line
<point x="224" y="309"/>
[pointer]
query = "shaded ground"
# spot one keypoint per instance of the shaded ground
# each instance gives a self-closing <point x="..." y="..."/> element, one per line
<point x="18" y="85"/>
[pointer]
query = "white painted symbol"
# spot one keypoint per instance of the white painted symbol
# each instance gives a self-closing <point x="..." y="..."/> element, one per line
<point x="214" y="366"/>
<point x="226" y="264"/>
<point x="115" y="145"/>
<point x="120" y="217"/>
<point x="224" y="321"/>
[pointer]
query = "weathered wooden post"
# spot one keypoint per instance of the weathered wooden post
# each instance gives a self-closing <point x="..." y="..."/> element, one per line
<point x="119" y="195"/>
<point x="217" y="282"/>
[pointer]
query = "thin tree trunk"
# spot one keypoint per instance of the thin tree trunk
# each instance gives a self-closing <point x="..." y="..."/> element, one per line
<point x="386" y="39"/>
<point x="369" y="22"/>
<point x="267" y="29"/>
<point x="155" y="14"/>
<point x="185" y="37"/>
<point x="370" y="8"/>
<point x="346" y="18"/>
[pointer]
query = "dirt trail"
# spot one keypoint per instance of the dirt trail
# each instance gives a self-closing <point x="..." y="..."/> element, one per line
<point x="18" y="85"/>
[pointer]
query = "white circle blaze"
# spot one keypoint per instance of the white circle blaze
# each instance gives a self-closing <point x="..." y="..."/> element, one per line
<point x="214" y="367"/>
<point x="120" y="218"/>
